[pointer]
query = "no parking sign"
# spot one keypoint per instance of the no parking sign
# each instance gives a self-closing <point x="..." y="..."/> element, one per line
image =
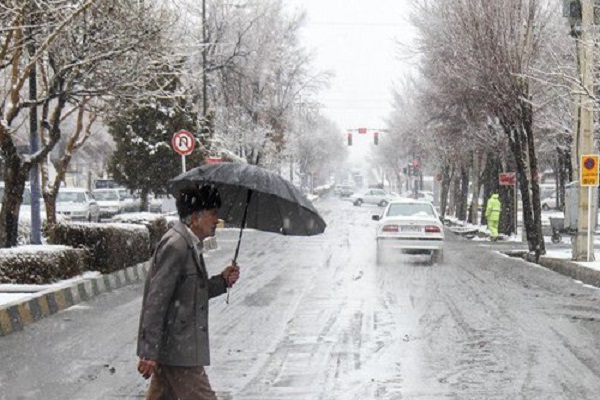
<point x="183" y="142"/>
<point x="589" y="170"/>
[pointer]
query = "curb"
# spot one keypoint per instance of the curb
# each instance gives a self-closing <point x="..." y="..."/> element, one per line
<point x="569" y="268"/>
<point x="15" y="317"/>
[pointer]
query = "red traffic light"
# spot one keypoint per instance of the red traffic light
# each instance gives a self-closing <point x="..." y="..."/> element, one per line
<point x="349" y="139"/>
<point x="376" y="138"/>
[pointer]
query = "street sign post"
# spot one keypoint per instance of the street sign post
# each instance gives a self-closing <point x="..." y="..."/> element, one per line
<point x="507" y="178"/>
<point x="510" y="179"/>
<point x="183" y="143"/>
<point x="589" y="178"/>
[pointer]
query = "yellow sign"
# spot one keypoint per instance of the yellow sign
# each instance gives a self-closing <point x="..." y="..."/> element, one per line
<point x="589" y="170"/>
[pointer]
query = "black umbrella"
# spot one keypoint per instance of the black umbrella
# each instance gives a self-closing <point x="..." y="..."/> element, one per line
<point x="254" y="197"/>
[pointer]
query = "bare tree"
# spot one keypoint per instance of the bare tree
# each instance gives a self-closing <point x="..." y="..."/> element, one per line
<point x="96" y="50"/>
<point x="487" y="50"/>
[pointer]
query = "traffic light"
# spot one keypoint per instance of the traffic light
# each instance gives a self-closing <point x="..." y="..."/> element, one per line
<point x="376" y="138"/>
<point x="416" y="165"/>
<point x="349" y="139"/>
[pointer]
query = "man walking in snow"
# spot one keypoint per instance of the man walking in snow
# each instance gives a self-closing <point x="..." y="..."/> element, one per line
<point x="173" y="337"/>
<point x="492" y="214"/>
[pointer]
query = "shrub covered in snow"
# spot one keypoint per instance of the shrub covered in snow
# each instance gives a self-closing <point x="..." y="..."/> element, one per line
<point x="156" y="223"/>
<point x="112" y="246"/>
<point x="40" y="264"/>
<point x="24" y="229"/>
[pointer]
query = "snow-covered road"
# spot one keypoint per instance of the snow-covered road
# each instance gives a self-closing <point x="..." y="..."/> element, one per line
<point x="316" y="319"/>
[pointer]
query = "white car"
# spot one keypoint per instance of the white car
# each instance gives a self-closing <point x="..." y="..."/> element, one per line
<point x="77" y="204"/>
<point x="129" y="202"/>
<point x="411" y="227"/>
<point x="109" y="202"/>
<point x="372" y="196"/>
<point x="549" y="203"/>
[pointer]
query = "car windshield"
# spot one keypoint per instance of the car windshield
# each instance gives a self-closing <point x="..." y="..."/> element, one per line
<point x="410" y="210"/>
<point x="66" y="197"/>
<point x="108" y="195"/>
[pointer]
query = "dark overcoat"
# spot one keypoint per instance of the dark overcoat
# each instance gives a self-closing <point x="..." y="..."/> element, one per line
<point x="174" y="319"/>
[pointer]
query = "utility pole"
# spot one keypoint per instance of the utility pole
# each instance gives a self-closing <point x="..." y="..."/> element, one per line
<point x="34" y="147"/>
<point x="204" y="44"/>
<point x="581" y="16"/>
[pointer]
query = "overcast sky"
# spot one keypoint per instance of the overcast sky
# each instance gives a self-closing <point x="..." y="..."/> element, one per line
<point x="357" y="41"/>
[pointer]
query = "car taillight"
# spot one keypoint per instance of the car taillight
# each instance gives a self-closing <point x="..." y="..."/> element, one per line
<point x="390" y="228"/>
<point x="432" y="229"/>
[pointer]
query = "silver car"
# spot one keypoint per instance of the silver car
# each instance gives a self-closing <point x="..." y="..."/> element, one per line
<point x="372" y="196"/>
<point x="109" y="202"/>
<point x="411" y="227"/>
<point x="77" y="204"/>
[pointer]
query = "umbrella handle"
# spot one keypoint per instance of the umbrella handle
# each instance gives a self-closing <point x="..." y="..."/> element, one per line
<point x="234" y="263"/>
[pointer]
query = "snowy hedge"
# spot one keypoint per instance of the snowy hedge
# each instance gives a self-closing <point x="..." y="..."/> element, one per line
<point x="156" y="223"/>
<point x="111" y="246"/>
<point x="40" y="264"/>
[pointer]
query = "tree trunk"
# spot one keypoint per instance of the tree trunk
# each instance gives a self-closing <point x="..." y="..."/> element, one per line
<point x="144" y="199"/>
<point x="475" y="189"/>
<point x="15" y="175"/>
<point x="454" y="194"/>
<point x="446" y="179"/>
<point x="506" y="216"/>
<point x="463" y="194"/>
<point x="519" y="146"/>
<point x="538" y="245"/>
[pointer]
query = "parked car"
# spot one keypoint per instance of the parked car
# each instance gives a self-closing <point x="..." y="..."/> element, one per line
<point x="129" y="202"/>
<point x="77" y="204"/>
<point x="549" y="203"/>
<point x="345" y="190"/>
<point x="109" y="202"/>
<point x="411" y="227"/>
<point x="372" y="196"/>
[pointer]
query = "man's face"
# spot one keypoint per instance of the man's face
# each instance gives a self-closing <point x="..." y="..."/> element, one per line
<point x="204" y="223"/>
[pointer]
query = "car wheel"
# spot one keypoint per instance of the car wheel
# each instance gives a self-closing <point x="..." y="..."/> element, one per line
<point x="358" y="202"/>
<point x="383" y="203"/>
<point x="545" y="207"/>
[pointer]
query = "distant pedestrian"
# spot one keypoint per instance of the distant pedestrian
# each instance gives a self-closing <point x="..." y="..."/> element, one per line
<point x="173" y="344"/>
<point x="492" y="214"/>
